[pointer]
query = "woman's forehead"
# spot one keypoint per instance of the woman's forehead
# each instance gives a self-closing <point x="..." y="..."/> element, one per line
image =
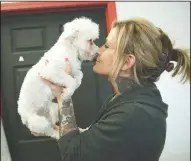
<point x="112" y="37"/>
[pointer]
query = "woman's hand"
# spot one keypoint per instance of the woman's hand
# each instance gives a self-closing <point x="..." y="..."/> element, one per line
<point x="56" y="89"/>
<point x="38" y="134"/>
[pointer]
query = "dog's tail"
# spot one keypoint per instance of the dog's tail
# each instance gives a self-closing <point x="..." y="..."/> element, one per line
<point x="40" y="124"/>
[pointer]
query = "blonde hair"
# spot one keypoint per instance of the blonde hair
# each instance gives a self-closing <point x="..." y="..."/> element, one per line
<point x="152" y="49"/>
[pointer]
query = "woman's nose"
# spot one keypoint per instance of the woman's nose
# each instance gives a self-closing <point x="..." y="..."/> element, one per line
<point x="95" y="57"/>
<point x="100" y="50"/>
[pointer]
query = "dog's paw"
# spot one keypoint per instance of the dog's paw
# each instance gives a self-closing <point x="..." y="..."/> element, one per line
<point x="83" y="130"/>
<point x="78" y="83"/>
<point x="55" y="135"/>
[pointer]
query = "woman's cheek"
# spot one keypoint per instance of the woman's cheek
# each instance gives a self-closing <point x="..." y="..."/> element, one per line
<point x="101" y="68"/>
<point x="100" y="50"/>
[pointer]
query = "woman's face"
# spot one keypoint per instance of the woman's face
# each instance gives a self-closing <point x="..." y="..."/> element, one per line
<point x="106" y="52"/>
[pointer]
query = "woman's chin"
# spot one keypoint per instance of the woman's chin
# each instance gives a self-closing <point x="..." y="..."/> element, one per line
<point x="96" y="69"/>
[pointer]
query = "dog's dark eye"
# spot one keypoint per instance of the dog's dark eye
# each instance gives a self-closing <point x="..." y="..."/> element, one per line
<point x="106" y="46"/>
<point x="91" y="42"/>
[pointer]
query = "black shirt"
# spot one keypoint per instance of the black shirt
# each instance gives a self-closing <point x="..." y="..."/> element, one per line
<point x="131" y="127"/>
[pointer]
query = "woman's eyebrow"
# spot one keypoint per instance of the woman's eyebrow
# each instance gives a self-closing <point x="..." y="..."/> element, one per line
<point x="107" y="42"/>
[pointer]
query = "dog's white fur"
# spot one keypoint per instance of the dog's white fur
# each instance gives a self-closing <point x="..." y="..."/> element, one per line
<point x="35" y="105"/>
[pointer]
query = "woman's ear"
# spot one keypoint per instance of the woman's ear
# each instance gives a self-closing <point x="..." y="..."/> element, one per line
<point x="129" y="62"/>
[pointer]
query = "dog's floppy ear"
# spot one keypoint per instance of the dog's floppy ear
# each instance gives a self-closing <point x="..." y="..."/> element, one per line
<point x="70" y="33"/>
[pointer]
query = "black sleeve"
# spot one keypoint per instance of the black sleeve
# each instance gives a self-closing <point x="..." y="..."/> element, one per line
<point x="99" y="143"/>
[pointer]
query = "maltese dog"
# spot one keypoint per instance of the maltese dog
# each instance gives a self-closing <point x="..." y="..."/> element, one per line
<point x="35" y="105"/>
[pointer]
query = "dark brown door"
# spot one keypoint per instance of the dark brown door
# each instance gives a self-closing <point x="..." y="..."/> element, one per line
<point x="24" y="39"/>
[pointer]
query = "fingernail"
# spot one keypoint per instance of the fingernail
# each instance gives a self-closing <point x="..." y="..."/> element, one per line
<point x="66" y="59"/>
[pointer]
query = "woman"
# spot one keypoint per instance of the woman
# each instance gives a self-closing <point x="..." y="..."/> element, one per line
<point x="132" y="123"/>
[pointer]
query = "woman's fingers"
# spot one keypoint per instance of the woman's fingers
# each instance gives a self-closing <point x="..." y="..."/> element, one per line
<point x="57" y="128"/>
<point x="68" y="67"/>
<point x="51" y="84"/>
<point x="37" y="134"/>
<point x="48" y="82"/>
<point x="56" y="89"/>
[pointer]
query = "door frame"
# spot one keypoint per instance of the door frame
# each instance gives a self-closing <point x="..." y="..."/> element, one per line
<point x="22" y="8"/>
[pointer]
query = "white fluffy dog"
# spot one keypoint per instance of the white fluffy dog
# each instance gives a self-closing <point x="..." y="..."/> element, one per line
<point x="35" y="101"/>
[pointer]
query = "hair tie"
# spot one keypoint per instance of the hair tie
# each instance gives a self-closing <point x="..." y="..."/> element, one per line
<point x="169" y="67"/>
<point x="174" y="55"/>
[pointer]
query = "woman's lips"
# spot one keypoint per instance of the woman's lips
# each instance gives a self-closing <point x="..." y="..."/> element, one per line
<point x="95" y="57"/>
<point x="98" y="59"/>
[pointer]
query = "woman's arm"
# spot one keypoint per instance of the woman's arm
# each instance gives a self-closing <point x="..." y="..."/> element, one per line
<point x="66" y="117"/>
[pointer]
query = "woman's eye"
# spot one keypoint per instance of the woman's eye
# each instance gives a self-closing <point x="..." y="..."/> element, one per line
<point x="106" y="46"/>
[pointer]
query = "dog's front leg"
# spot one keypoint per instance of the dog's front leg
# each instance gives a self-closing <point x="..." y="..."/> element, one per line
<point x="78" y="75"/>
<point x="70" y="83"/>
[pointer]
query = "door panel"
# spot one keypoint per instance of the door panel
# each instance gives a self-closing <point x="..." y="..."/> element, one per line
<point x="20" y="38"/>
<point x="19" y="74"/>
<point x="24" y="40"/>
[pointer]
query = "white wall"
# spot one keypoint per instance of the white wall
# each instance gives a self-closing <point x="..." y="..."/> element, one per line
<point x="173" y="18"/>
<point x="5" y="154"/>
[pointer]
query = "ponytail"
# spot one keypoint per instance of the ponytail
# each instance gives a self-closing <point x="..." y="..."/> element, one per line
<point x="183" y="64"/>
